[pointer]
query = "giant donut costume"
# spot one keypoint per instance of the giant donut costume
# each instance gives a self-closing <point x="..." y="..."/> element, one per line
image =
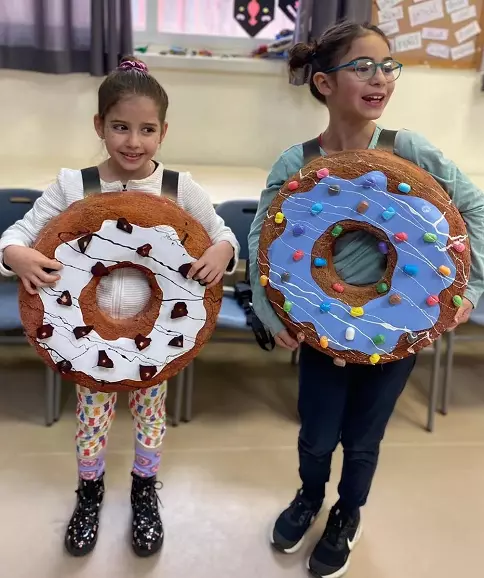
<point x="419" y="229"/>
<point x="93" y="237"/>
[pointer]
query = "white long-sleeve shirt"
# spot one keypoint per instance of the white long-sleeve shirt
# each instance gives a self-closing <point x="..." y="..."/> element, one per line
<point x="125" y="292"/>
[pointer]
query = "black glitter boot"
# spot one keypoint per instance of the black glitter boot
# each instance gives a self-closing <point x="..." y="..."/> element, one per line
<point x="147" y="526"/>
<point x="81" y="534"/>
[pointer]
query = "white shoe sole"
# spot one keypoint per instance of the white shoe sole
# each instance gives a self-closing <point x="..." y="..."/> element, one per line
<point x="294" y="548"/>
<point x="342" y="571"/>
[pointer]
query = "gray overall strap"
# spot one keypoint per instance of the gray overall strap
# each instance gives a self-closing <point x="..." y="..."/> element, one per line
<point x="91" y="181"/>
<point x="311" y="150"/>
<point x="169" y="184"/>
<point x="386" y="140"/>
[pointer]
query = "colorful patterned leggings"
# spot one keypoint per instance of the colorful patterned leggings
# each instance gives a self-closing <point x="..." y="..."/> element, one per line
<point x="95" y="414"/>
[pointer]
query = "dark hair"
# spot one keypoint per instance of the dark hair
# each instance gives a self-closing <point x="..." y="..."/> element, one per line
<point x="323" y="54"/>
<point x="131" y="78"/>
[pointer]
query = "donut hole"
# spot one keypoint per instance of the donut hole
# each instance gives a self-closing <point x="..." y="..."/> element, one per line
<point x="135" y="286"/>
<point x="346" y="251"/>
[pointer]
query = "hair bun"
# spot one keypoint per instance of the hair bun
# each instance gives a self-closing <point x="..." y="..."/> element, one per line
<point x="132" y="63"/>
<point x="301" y="54"/>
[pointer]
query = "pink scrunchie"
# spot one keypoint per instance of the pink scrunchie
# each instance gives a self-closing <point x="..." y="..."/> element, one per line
<point x="133" y="65"/>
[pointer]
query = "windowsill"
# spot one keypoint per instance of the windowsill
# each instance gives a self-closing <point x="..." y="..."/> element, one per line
<point x="234" y="65"/>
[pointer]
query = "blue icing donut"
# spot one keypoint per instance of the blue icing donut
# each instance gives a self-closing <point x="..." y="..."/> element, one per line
<point x="392" y="213"/>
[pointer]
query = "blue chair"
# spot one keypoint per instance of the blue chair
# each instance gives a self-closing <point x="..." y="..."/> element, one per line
<point x="238" y="215"/>
<point x="14" y="203"/>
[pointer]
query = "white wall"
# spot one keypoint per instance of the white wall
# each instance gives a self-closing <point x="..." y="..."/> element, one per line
<point x="221" y="118"/>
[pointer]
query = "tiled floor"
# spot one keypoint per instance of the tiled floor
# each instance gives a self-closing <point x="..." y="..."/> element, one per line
<point x="229" y="471"/>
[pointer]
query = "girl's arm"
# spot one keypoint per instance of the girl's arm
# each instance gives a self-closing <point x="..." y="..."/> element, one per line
<point x="24" y="232"/>
<point x="468" y="199"/>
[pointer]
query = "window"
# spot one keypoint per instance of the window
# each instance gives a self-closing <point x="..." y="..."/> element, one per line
<point x="208" y="23"/>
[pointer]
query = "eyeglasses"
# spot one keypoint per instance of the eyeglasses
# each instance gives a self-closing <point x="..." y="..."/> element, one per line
<point x="366" y="68"/>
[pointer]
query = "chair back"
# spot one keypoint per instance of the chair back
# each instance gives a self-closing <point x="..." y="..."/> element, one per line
<point x="238" y="215"/>
<point x="14" y="203"/>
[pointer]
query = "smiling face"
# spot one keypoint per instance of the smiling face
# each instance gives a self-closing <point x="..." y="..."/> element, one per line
<point x="132" y="132"/>
<point x="346" y="94"/>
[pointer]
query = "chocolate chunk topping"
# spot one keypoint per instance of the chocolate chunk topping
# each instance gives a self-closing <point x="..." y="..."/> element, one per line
<point x="184" y="269"/>
<point x="104" y="361"/>
<point x="147" y="372"/>
<point x="64" y="366"/>
<point x="45" y="331"/>
<point x="179" y="310"/>
<point x="83" y="243"/>
<point x="177" y="341"/>
<point x="99" y="270"/>
<point x="144" y="250"/>
<point x="82" y="331"/>
<point x="65" y="299"/>
<point x="142" y="342"/>
<point x="123" y="225"/>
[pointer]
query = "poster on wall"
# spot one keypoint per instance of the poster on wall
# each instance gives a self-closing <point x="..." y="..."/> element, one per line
<point x="289" y="7"/>
<point x="254" y="15"/>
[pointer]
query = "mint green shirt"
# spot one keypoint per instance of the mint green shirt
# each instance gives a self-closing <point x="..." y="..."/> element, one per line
<point x="357" y="259"/>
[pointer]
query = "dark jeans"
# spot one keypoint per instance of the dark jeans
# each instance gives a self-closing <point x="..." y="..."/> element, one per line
<point x="351" y="405"/>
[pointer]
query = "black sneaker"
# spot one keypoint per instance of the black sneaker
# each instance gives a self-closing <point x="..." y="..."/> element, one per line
<point x="147" y="527"/>
<point x="331" y="557"/>
<point x="82" y="531"/>
<point x="291" y="526"/>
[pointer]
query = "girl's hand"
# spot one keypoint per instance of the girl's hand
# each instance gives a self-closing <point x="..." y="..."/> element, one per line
<point x="211" y="266"/>
<point x="285" y="340"/>
<point x="462" y="314"/>
<point x="28" y="264"/>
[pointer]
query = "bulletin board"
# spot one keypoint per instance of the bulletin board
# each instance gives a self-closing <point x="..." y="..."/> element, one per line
<point x="438" y="33"/>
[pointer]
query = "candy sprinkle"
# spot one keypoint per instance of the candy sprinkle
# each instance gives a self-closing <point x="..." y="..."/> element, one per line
<point x="264" y="280"/>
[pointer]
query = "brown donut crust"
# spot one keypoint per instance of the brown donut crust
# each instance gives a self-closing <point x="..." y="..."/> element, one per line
<point x="85" y="217"/>
<point x="350" y="165"/>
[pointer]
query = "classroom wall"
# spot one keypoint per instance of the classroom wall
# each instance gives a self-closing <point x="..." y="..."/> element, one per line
<point x="227" y="119"/>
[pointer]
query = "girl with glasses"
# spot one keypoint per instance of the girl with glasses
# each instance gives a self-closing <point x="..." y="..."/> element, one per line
<point x="351" y="71"/>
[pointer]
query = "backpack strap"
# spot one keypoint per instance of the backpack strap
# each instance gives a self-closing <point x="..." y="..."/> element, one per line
<point x="311" y="150"/>
<point x="91" y="181"/>
<point x="169" y="184"/>
<point x="386" y="140"/>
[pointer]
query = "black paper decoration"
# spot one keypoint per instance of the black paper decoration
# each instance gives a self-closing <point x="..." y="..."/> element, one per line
<point x="289" y="7"/>
<point x="254" y="15"/>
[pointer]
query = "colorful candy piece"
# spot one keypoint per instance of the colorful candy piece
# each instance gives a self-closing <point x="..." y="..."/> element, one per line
<point x="322" y="173"/>
<point x="379" y="339"/>
<point x="279" y="218"/>
<point x="334" y="190"/>
<point x="264" y="279"/>
<point x="363" y="207"/>
<point x="336" y="232"/>
<point x="298" y="255"/>
<point x="457" y="300"/>
<point x="287" y="306"/>
<point x="445" y="271"/>
<point x="350" y="334"/>
<point x="316" y="209"/>
<point x="374" y="358"/>
<point x="324" y="342"/>
<point x="400" y="237"/>
<point x="388" y="213"/>
<point x="381" y="288"/>
<point x="325" y="307"/>
<point x="338" y="287"/>
<point x="404" y="188"/>
<point x="339" y="361"/>
<point x="320" y="262"/>
<point x="285" y="276"/>
<point x="410" y="270"/>
<point x="459" y="247"/>
<point x="432" y="300"/>
<point x="293" y="186"/>
<point x="298" y="230"/>
<point x="430" y="237"/>
<point x="357" y="311"/>
<point x="395" y="299"/>
<point x="383" y="248"/>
